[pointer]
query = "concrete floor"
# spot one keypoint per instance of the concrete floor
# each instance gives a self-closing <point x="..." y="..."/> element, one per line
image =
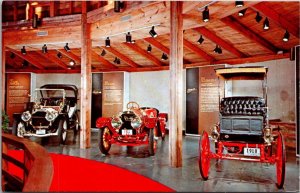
<point x="228" y="176"/>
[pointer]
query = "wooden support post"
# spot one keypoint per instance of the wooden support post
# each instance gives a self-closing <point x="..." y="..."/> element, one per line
<point x="86" y="83"/>
<point x="16" y="11"/>
<point x="176" y="85"/>
<point x="52" y="8"/>
<point x="2" y="78"/>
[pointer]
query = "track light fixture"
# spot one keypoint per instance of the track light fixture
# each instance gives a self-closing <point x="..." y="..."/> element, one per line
<point x="67" y="48"/>
<point x="205" y="14"/>
<point x="201" y="39"/>
<point x="72" y="63"/>
<point x="149" y="48"/>
<point x="103" y="53"/>
<point x="59" y="55"/>
<point x="116" y="59"/>
<point x="44" y="49"/>
<point x="128" y="37"/>
<point x="164" y="56"/>
<point x="218" y="49"/>
<point x="118" y="5"/>
<point x="286" y="36"/>
<point x="107" y="42"/>
<point x="25" y="63"/>
<point x="239" y="3"/>
<point x="258" y="18"/>
<point x="242" y="12"/>
<point x="23" y="50"/>
<point x="12" y="55"/>
<point x="266" y="24"/>
<point x="152" y="32"/>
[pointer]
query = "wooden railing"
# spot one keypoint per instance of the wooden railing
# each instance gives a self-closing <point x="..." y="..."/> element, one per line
<point x="37" y="166"/>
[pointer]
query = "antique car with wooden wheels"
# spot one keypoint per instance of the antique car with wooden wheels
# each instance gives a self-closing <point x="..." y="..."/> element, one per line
<point x="243" y="132"/>
<point x="52" y="114"/>
<point x="132" y="127"/>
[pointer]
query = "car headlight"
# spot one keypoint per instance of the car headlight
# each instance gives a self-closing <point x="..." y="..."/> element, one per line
<point x="136" y="122"/>
<point x="116" y="122"/>
<point x="26" y="116"/>
<point x="51" y="115"/>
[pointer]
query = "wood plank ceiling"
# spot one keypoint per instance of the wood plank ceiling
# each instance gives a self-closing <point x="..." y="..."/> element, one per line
<point x="241" y="38"/>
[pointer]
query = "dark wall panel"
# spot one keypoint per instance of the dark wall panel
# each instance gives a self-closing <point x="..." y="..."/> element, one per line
<point x="97" y="79"/>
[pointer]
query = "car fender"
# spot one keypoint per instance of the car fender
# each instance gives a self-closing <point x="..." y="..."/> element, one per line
<point x="150" y="122"/>
<point x="103" y="122"/>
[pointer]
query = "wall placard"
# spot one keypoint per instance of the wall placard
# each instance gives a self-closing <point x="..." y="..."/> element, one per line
<point x="17" y="95"/>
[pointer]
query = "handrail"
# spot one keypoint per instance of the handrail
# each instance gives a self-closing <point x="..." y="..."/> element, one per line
<point x="37" y="162"/>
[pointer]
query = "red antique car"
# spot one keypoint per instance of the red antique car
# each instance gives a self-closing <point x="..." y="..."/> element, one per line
<point x="243" y="132"/>
<point x="135" y="126"/>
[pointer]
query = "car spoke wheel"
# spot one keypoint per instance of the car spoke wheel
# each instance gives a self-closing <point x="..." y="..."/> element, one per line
<point x="204" y="159"/>
<point x="104" y="140"/>
<point x="152" y="142"/>
<point x="280" y="161"/>
<point x="64" y="132"/>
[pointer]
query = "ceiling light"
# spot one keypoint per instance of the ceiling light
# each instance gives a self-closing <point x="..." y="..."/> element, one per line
<point x="12" y="55"/>
<point x="266" y="24"/>
<point x="44" y="49"/>
<point x="239" y="3"/>
<point x="164" y="56"/>
<point x="286" y="36"/>
<point x="128" y="37"/>
<point x="118" y="5"/>
<point x="72" y="63"/>
<point x="59" y="55"/>
<point x="258" y="18"/>
<point x="149" y="48"/>
<point x="152" y="32"/>
<point x="201" y="39"/>
<point x="205" y="14"/>
<point x="23" y="50"/>
<point x="218" y="49"/>
<point x="25" y="63"/>
<point x="107" y="42"/>
<point x="242" y="12"/>
<point x="133" y="41"/>
<point x="103" y="52"/>
<point x="67" y="48"/>
<point x="116" y="59"/>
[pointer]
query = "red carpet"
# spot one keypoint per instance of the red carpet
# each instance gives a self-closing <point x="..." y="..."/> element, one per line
<point x="77" y="174"/>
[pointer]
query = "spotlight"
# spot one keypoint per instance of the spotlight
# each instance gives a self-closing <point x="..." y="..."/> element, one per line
<point x="12" y="55"/>
<point x="152" y="32"/>
<point x="201" y="39"/>
<point x="35" y="21"/>
<point x="266" y="24"/>
<point x="118" y="5"/>
<point x="205" y="14"/>
<point x="23" y="50"/>
<point x="67" y="48"/>
<point x="103" y="52"/>
<point x="239" y="3"/>
<point x="116" y="59"/>
<point x="107" y="42"/>
<point x="286" y="36"/>
<point x="128" y="37"/>
<point x="44" y="49"/>
<point x="218" y="49"/>
<point x="149" y="49"/>
<point x="242" y="12"/>
<point x="133" y="41"/>
<point x="59" y="55"/>
<point x="72" y="63"/>
<point x="258" y="18"/>
<point x="164" y="56"/>
<point x="25" y="63"/>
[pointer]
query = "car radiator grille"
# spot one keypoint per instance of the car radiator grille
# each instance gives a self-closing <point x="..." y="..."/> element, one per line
<point x="38" y="119"/>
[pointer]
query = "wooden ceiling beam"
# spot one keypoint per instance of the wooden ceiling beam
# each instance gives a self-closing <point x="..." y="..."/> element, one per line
<point x="277" y="18"/>
<point x="121" y="56"/>
<point x="70" y="55"/>
<point x="129" y="69"/>
<point x="197" y="51"/>
<point x="234" y="24"/>
<point x="39" y="71"/>
<point x="145" y="54"/>
<point x="26" y="57"/>
<point x="103" y="61"/>
<point x="213" y="37"/>
<point x="52" y="58"/>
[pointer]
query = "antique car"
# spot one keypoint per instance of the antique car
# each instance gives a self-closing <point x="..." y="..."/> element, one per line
<point x="243" y="132"/>
<point x="132" y="127"/>
<point x="53" y="114"/>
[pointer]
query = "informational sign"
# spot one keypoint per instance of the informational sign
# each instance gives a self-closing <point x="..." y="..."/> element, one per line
<point x="112" y="100"/>
<point x="17" y="95"/>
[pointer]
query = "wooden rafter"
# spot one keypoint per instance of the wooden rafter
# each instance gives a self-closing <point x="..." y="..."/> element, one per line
<point x="103" y="61"/>
<point x="26" y="57"/>
<point x="197" y="51"/>
<point x="122" y="57"/>
<point x="277" y="18"/>
<point x="70" y="55"/>
<point x="145" y="54"/>
<point x="233" y="23"/>
<point x="213" y="37"/>
<point x="52" y="58"/>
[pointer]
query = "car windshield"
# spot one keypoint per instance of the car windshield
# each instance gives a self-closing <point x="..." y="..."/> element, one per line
<point x="49" y="93"/>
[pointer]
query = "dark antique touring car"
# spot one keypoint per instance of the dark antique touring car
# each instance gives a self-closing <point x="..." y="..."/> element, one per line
<point x="135" y="126"/>
<point x="243" y="132"/>
<point x="53" y="112"/>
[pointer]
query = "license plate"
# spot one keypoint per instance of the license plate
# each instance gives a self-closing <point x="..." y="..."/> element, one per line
<point x="126" y="132"/>
<point x="41" y="132"/>
<point x="251" y="151"/>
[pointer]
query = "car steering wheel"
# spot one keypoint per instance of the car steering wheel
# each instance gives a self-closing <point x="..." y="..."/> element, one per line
<point x="132" y="105"/>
